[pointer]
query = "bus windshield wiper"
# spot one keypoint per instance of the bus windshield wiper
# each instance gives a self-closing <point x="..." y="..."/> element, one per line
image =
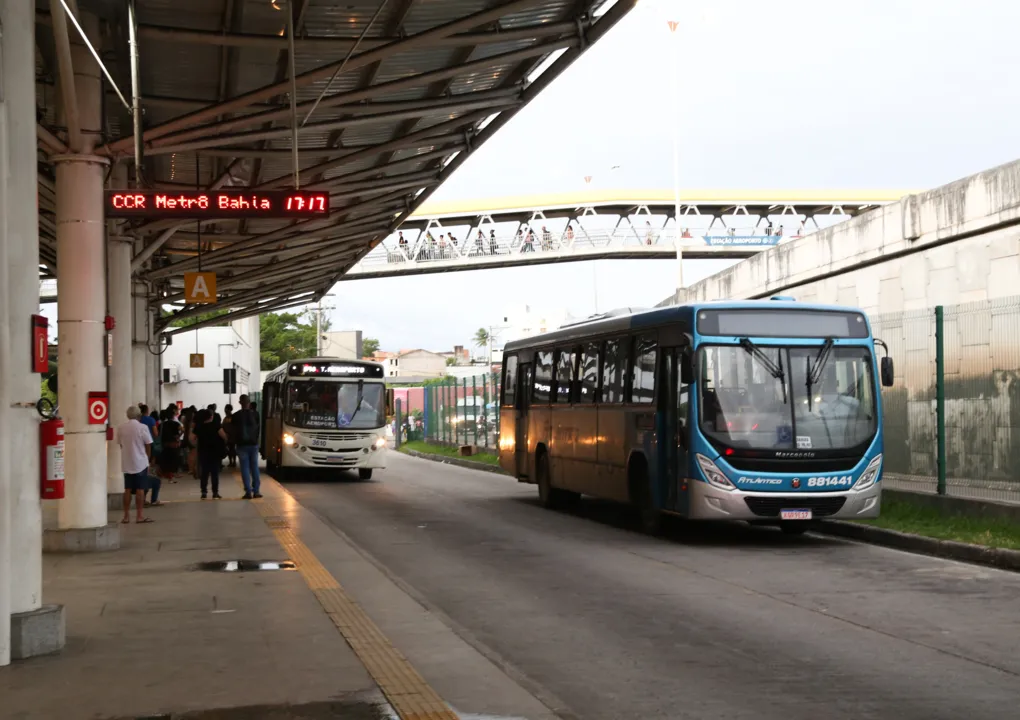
<point x="762" y="357"/>
<point x="361" y="397"/>
<point x="814" y="374"/>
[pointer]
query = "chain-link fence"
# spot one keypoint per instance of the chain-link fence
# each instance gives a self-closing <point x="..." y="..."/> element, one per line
<point x="452" y="411"/>
<point x="973" y="400"/>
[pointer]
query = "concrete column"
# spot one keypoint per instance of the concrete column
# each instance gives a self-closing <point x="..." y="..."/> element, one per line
<point x="81" y="309"/>
<point x="6" y="374"/>
<point x="119" y="250"/>
<point x="139" y="335"/>
<point x="35" y="629"/>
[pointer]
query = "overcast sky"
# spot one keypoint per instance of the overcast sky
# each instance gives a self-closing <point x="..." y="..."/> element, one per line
<point x="788" y="94"/>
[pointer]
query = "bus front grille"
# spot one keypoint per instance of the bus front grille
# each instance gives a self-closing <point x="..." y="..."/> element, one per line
<point x="346" y="436"/>
<point x="770" y="507"/>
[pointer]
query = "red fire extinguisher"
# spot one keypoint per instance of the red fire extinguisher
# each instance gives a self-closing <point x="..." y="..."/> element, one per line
<point x="51" y="465"/>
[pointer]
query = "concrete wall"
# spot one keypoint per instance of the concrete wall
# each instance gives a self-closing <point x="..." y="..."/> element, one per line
<point x="928" y="249"/>
<point x="421" y="363"/>
<point x="343" y="344"/>
<point x="234" y="346"/>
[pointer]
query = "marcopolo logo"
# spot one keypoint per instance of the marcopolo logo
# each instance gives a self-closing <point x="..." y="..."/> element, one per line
<point x="760" y="481"/>
<point x="841" y="481"/>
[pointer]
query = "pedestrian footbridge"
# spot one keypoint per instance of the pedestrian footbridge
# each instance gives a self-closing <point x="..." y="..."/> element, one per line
<point x="570" y="227"/>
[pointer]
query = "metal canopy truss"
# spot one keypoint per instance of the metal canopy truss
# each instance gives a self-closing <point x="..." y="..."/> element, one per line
<point x="384" y="99"/>
<point x="597" y="226"/>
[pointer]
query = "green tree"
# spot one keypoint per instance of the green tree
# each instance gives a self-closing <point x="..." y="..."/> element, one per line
<point x="287" y="336"/>
<point x="451" y="361"/>
<point x="369" y="347"/>
<point x="482" y="338"/>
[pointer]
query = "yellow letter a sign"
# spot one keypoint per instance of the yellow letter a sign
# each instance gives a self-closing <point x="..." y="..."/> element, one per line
<point x="199" y="287"/>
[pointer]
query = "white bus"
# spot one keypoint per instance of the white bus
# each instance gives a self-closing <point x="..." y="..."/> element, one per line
<point x="325" y="413"/>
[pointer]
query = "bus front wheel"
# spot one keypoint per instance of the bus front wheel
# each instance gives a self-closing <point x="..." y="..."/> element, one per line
<point x="364" y="473"/>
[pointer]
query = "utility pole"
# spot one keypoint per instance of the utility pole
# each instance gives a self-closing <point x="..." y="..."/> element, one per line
<point x="318" y="323"/>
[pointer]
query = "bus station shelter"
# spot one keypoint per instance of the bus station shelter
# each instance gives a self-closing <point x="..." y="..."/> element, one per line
<point x="165" y="158"/>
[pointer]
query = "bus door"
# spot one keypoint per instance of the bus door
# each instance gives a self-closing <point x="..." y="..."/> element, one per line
<point x="521" y="429"/>
<point x="672" y="406"/>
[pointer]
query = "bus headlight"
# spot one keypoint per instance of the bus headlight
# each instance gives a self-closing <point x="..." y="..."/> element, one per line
<point x="870" y="475"/>
<point x="288" y="439"/>
<point x="380" y="443"/>
<point x="714" y="475"/>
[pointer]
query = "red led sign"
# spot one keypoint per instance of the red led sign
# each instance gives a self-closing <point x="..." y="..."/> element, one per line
<point x="200" y="204"/>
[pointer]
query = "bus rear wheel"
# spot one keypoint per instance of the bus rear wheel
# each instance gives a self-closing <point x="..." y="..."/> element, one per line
<point x="650" y="518"/>
<point x="364" y="473"/>
<point x="550" y="497"/>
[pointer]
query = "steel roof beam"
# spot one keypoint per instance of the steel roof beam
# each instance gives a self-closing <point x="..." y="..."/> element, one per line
<point x="339" y="44"/>
<point x="219" y="256"/>
<point x="386" y="117"/>
<point x="353" y="96"/>
<point x="341" y="180"/>
<point x="360" y="60"/>
<point x="281" y="304"/>
<point x="65" y="67"/>
<point x="433" y="135"/>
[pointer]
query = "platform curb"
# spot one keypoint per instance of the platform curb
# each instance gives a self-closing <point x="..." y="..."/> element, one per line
<point x="470" y="464"/>
<point x="1001" y="558"/>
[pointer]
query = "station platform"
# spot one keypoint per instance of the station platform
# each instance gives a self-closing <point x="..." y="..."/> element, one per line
<point x="151" y="633"/>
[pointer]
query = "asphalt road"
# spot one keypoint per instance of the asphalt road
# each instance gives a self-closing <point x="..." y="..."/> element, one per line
<point x="709" y="622"/>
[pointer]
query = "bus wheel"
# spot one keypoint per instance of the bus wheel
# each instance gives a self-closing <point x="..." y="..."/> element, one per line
<point x="550" y="497"/>
<point x="364" y="473"/>
<point x="794" y="527"/>
<point x="650" y="518"/>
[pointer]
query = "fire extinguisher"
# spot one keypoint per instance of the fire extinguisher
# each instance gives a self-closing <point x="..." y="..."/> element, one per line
<point x="51" y="465"/>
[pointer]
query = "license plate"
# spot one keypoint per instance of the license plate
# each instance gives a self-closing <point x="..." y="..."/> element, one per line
<point x="795" y="514"/>
<point x="318" y="442"/>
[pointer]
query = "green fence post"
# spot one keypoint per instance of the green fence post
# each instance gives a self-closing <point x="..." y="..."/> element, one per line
<point x="485" y="409"/>
<point x="474" y="407"/>
<point x="940" y="397"/>
<point x="446" y="411"/>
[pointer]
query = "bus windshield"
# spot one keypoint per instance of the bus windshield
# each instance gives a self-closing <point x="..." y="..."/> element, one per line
<point x="798" y="398"/>
<point x="323" y="405"/>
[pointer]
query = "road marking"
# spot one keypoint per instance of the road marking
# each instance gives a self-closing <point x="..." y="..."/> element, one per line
<point x="408" y="693"/>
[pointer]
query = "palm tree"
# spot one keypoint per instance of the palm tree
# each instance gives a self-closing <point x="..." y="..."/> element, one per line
<point x="482" y="339"/>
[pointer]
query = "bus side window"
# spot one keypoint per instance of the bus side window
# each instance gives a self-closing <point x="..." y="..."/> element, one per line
<point x="613" y="372"/>
<point x="588" y="374"/>
<point x="509" y="380"/>
<point x="643" y="370"/>
<point x="543" y="377"/>
<point x="564" y="375"/>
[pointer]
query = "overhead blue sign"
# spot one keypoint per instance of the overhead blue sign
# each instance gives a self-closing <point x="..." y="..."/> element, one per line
<point x="756" y="240"/>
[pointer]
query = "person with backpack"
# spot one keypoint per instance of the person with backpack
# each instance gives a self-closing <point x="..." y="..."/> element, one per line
<point x="246" y="435"/>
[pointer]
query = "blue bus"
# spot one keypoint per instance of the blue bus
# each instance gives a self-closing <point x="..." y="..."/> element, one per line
<point x="765" y="411"/>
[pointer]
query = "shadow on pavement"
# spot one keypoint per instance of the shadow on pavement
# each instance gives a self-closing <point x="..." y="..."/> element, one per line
<point x="686" y="532"/>
<point x="334" y="710"/>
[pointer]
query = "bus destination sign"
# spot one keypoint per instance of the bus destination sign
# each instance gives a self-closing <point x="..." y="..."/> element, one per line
<point x="336" y="369"/>
<point x="212" y="204"/>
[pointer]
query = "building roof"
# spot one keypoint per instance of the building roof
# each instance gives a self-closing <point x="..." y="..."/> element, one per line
<point x="392" y="97"/>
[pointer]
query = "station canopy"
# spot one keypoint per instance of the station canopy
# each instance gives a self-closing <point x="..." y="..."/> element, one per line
<point x="390" y="97"/>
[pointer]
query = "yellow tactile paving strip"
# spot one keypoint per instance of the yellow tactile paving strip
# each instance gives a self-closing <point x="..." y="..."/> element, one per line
<point x="406" y="690"/>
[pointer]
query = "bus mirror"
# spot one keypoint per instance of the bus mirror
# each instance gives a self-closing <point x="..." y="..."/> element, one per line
<point x="389" y="402"/>
<point x="686" y="369"/>
<point x="886" y="371"/>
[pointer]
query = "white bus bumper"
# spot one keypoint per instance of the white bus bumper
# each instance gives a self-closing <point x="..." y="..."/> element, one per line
<point x="710" y="503"/>
<point x="346" y="459"/>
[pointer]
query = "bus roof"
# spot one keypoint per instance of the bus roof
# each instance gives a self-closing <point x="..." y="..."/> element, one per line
<point x="610" y="322"/>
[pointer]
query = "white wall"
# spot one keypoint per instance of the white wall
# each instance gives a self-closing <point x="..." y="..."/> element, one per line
<point x="343" y="344"/>
<point x="223" y="347"/>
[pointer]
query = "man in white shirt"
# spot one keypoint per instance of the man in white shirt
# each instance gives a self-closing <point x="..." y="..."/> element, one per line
<point x="135" y="441"/>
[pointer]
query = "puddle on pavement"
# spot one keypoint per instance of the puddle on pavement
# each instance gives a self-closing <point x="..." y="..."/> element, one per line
<point x="244" y="565"/>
